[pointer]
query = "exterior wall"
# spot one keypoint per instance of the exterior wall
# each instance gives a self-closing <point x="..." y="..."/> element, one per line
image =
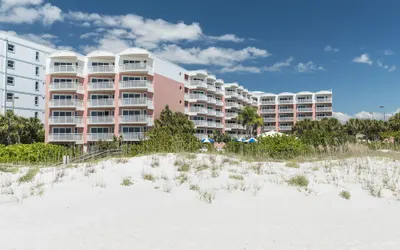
<point x="24" y="75"/>
<point x="168" y="92"/>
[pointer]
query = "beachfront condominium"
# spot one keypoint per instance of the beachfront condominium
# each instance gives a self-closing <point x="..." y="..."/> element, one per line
<point x="22" y="75"/>
<point x="102" y="95"/>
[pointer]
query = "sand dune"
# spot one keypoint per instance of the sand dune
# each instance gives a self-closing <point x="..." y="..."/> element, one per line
<point x="214" y="203"/>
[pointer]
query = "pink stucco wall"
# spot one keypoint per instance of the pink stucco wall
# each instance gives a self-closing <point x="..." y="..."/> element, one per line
<point x="47" y="110"/>
<point x="168" y="92"/>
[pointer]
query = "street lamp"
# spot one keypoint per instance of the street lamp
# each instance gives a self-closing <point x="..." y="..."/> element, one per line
<point x="384" y="113"/>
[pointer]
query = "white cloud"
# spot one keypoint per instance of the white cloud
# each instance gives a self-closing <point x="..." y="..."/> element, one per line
<point x="393" y="68"/>
<point x="210" y="56"/>
<point x="241" y="68"/>
<point x="7" y="4"/>
<point x="385" y="66"/>
<point x="342" y="117"/>
<point x="308" y="67"/>
<point x="44" y="39"/>
<point x="47" y="14"/>
<point x="86" y="24"/>
<point x="388" y="52"/>
<point x="364" y="58"/>
<point x="227" y="38"/>
<point x="279" y="65"/>
<point x="329" y="48"/>
<point x="110" y="44"/>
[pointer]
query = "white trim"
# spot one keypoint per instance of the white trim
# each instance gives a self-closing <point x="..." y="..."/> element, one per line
<point x="70" y="111"/>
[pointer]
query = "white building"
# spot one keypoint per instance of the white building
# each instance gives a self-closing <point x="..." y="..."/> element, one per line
<point x="22" y="76"/>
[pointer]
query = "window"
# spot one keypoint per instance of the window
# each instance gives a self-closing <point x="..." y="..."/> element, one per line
<point x="10" y="96"/>
<point x="36" y="86"/>
<point x="36" y="114"/>
<point x="10" y="64"/>
<point x="36" y="101"/>
<point x="99" y="130"/>
<point x="62" y="131"/>
<point x="11" y="48"/>
<point x="37" y="56"/>
<point x="10" y="80"/>
<point x="37" y="70"/>
<point x="186" y="77"/>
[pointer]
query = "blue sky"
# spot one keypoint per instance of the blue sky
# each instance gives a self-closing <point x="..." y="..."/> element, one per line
<point x="351" y="47"/>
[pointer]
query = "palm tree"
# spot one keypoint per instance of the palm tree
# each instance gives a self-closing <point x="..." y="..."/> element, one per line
<point x="250" y="119"/>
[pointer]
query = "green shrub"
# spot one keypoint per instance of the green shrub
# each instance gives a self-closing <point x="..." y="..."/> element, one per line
<point x="12" y="170"/>
<point x="127" y="181"/>
<point x="148" y="177"/>
<point x="236" y="177"/>
<point x="292" y="164"/>
<point x="29" y="176"/>
<point x="299" y="181"/>
<point x="345" y="195"/>
<point x="184" y="167"/>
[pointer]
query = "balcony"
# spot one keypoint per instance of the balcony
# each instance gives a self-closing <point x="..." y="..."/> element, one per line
<point x="231" y="105"/>
<point x="229" y="94"/>
<point x="285" y="128"/>
<point x="137" y="85"/>
<point x="66" y="103"/>
<point x="268" y="111"/>
<point x="100" y="136"/>
<point x="66" y="120"/>
<point x="231" y="126"/>
<point x="324" y="100"/>
<point x="269" y="128"/>
<point x="219" y="125"/>
<point x="304" y="101"/>
<point x="198" y="84"/>
<point x="211" y="112"/>
<point x="269" y="119"/>
<point x="136" y="67"/>
<point x="219" y="102"/>
<point x="65" y="138"/>
<point x="201" y="136"/>
<point x="211" y="100"/>
<point x="66" y="69"/>
<point x="105" y="69"/>
<point x="211" y="88"/>
<point x="304" y="110"/>
<point x="268" y="102"/>
<point x="140" y="102"/>
<point x="200" y="123"/>
<point x="134" y="136"/>
<point x="106" y="103"/>
<point x="254" y="102"/>
<point x="101" y="86"/>
<point x="285" y="110"/>
<point x="211" y="124"/>
<point x="198" y="97"/>
<point x="109" y="119"/>
<point x="229" y="115"/>
<point x="219" y="91"/>
<point x="285" y="101"/>
<point x="66" y="87"/>
<point x="322" y="117"/>
<point x="219" y="114"/>
<point x="240" y="96"/>
<point x="286" y="119"/>
<point x="198" y="110"/>
<point x="147" y="119"/>
<point x="324" y="109"/>
<point x="302" y="118"/>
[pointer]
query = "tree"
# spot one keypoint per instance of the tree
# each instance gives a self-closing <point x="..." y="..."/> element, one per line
<point x="250" y="119"/>
<point x="394" y="122"/>
<point x="174" y="122"/>
<point x="220" y="137"/>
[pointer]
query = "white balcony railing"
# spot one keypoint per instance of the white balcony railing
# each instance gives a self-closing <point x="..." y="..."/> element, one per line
<point x="65" y="137"/>
<point x="102" y="69"/>
<point x="70" y="103"/>
<point x="231" y="115"/>
<point x="65" y="120"/>
<point x="139" y="101"/>
<point x="268" y="111"/>
<point x="232" y="104"/>
<point x="219" y="91"/>
<point x="135" y="67"/>
<point x="100" y="136"/>
<point x="324" y="109"/>
<point x="211" y="124"/>
<point x="135" y="118"/>
<point x="229" y="94"/>
<point x="101" y="102"/>
<point x="269" y="128"/>
<point x="286" y="101"/>
<point x="198" y="83"/>
<point x="72" y="69"/>
<point x="285" y="110"/>
<point x="200" y="123"/>
<point x="198" y="97"/>
<point x="322" y="117"/>
<point x="301" y="118"/>
<point x="304" y="100"/>
<point x="268" y="102"/>
<point x="211" y="88"/>
<point x="201" y="136"/>
<point x="285" y="127"/>
<point x="288" y="119"/>
<point x="304" y="109"/>
<point x="101" y="86"/>
<point x="219" y="113"/>
<point x="324" y="100"/>
<point x="200" y="110"/>
<point x="66" y="86"/>
<point x="269" y="119"/>
<point x="219" y="102"/>
<point x="136" y="84"/>
<point x="219" y="125"/>
<point x="133" y="136"/>
<point x="211" y="112"/>
<point x="108" y="119"/>
<point x="231" y="125"/>
<point x="211" y="100"/>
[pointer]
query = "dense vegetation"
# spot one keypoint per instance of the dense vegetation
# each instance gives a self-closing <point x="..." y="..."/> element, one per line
<point x="16" y="129"/>
<point x="250" y="119"/>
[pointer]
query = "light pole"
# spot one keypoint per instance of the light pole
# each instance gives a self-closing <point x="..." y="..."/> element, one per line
<point x="384" y="113"/>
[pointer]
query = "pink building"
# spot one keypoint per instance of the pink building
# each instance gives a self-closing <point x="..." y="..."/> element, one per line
<point x="102" y="94"/>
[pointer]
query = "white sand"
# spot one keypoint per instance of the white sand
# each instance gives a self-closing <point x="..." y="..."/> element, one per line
<point x="94" y="211"/>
